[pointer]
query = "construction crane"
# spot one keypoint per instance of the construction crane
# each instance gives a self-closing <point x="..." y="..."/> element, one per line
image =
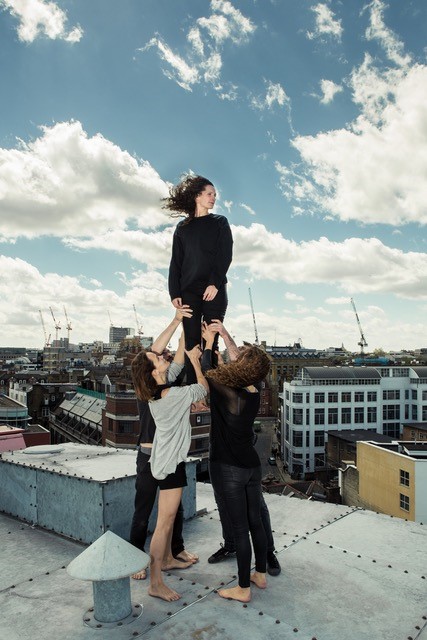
<point x="68" y="325"/>
<point x="46" y="337"/>
<point x="111" y="322"/>
<point x="253" y="316"/>
<point x="57" y="324"/>
<point x="362" y="342"/>
<point x="138" y="325"/>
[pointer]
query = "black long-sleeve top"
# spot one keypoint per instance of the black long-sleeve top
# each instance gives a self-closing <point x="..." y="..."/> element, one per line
<point x="201" y="254"/>
<point x="233" y="412"/>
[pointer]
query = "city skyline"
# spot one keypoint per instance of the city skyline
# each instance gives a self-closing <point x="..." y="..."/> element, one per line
<point x="309" y="117"/>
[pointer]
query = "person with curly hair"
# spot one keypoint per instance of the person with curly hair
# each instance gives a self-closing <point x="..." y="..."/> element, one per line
<point x="170" y="409"/>
<point x="234" y="465"/>
<point x="201" y="255"/>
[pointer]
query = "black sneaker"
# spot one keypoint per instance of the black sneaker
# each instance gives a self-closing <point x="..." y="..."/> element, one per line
<point x="220" y="555"/>
<point x="273" y="565"/>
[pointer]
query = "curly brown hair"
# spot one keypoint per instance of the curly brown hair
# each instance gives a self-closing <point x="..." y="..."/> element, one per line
<point x="182" y="197"/>
<point x="250" y="367"/>
<point x="142" y="375"/>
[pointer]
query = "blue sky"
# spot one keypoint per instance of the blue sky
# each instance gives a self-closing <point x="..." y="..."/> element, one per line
<point x="309" y="117"/>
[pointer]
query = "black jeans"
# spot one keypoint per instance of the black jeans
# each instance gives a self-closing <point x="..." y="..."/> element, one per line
<point x="146" y="490"/>
<point x="240" y="490"/>
<point x="227" y="530"/>
<point x="207" y="311"/>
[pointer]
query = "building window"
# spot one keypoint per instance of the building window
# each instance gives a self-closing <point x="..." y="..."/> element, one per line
<point x="391" y="394"/>
<point x="332" y="396"/>
<point x="319" y="398"/>
<point x="359" y="415"/>
<point x="359" y="396"/>
<point x="372" y="414"/>
<point x="346" y="415"/>
<point x="392" y="429"/>
<point x="125" y="426"/>
<point x="297" y="398"/>
<point x="332" y="416"/>
<point x="346" y="396"/>
<point x="414" y="394"/>
<point x="414" y="412"/>
<point x="424" y="395"/>
<point x="319" y="416"/>
<point x="424" y="413"/>
<point x="287" y="395"/>
<point x="404" y="502"/>
<point x="307" y="417"/>
<point x="372" y="396"/>
<point x="391" y="412"/>
<point x="404" y="477"/>
<point x="307" y="439"/>
<point x="297" y="416"/>
<point x="297" y="439"/>
<point x="319" y="438"/>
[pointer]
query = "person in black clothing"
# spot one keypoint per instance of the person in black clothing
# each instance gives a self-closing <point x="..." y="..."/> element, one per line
<point x="146" y="485"/>
<point x="201" y="255"/>
<point x="228" y="548"/>
<point x="234" y="465"/>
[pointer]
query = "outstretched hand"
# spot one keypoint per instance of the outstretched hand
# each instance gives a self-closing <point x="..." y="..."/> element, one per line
<point x="217" y="327"/>
<point x="183" y="311"/>
<point x="208" y="334"/>
<point x="210" y="293"/>
<point x="194" y="354"/>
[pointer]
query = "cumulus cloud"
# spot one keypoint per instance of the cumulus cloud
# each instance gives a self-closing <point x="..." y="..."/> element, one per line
<point x="354" y="265"/>
<point x="326" y="23"/>
<point x="329" y="90"/>
<point x="374" y="170"/>
<point x="41" y="18"/>
<point x="202" y="63"/>
<point x="379" y="31"/>
<point x="275" y="94"/>
<point x="26" y="290"/>
<point x="67" y="183"/>
<point x="294" y="297"/>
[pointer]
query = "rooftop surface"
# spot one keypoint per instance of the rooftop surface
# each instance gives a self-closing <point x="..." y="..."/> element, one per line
<point x="346" y="574"/>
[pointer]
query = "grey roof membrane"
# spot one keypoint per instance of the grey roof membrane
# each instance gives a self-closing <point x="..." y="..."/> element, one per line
<point x="346" y="574"/>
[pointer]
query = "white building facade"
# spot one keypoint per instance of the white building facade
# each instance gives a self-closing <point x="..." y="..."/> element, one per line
<point x="378" y="399"/>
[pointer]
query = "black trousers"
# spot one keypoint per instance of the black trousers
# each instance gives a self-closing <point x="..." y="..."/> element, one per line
<point x="207" y="311"/>
<point x="146" y="490"/>
<point x="240" y="490"/>
<point x="227" y="529"/>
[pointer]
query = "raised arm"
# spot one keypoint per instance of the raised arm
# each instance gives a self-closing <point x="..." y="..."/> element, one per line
<point x="216" y="326"/>
<point x="179" y="355"/>
<point x="160" y="343"/>
<point x="194" y="356"/>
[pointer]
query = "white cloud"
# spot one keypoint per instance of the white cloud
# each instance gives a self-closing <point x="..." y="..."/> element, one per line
<point x="41" y="18"/>
<point x="378" y="30"/>
<point x="293" y="297"/>
<point x="228" y="204"/>
<point x="329" y="90"/>
<point x="275" y="94"/>
<point x="337" y="301"/>
<point x="67" y="183"/>
<point x="247" y="208"/>
<point x="326" y="23"/>
<point x="374" y="170"/>
<point x="206" y="37"/>
<point x="354" y="265"/>
<point x="184" y="74"/>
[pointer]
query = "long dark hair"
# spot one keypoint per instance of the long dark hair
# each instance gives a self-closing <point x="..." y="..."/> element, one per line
<point x="251" y="367"/>
<point x="142" y="375"/>
<point x="182" y="197"/>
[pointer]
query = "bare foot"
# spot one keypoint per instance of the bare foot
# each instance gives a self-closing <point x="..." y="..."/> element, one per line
<point x="172" y="563"/>
<point x="236" y="593"/>
<point x="259" y="579"/>
<point x="186" y="556"/>
<point x="141" y="575"/>
<point x="163" y="592"/>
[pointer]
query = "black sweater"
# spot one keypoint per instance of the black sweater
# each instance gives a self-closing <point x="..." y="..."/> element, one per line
<point x="201" y="255"/>
<point x="233" y="412"/>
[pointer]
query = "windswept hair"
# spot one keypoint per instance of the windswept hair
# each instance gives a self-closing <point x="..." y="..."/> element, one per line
<point x="250" y="367"/>
<point x="142" y="376"/>
<point x="182" y="197"/>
